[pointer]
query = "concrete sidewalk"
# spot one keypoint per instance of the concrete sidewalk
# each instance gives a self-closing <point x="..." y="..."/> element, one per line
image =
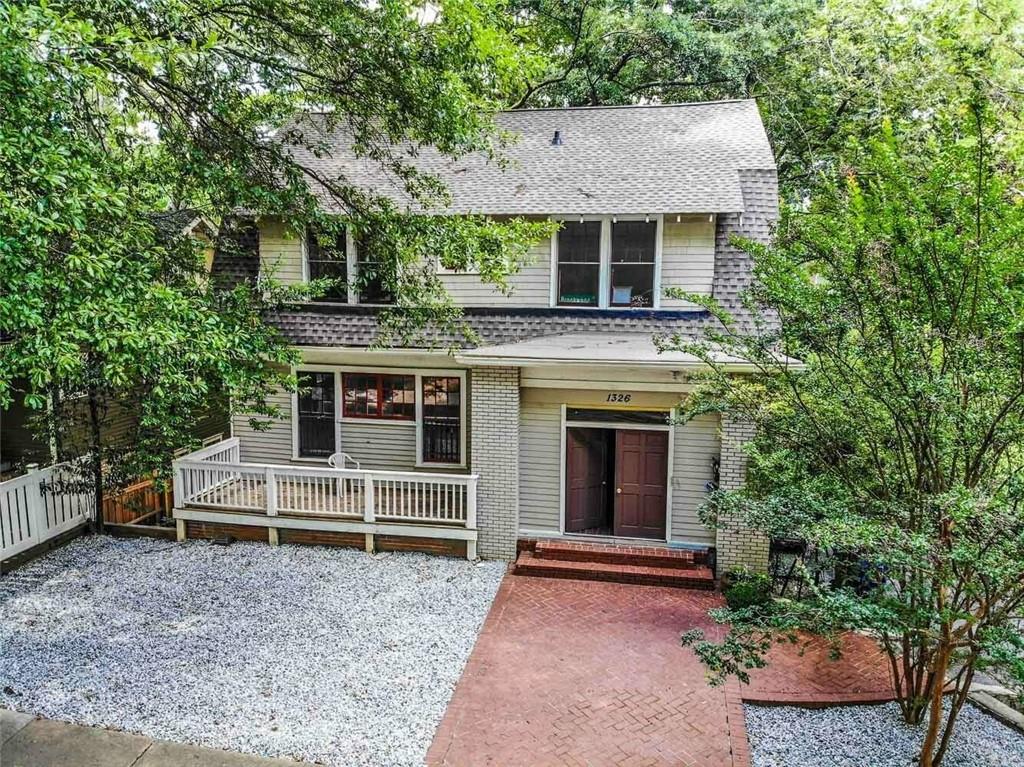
<point x="31" y="742"/>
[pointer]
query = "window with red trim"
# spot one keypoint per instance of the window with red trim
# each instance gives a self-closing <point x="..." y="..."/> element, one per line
<point x="379" y="395"/>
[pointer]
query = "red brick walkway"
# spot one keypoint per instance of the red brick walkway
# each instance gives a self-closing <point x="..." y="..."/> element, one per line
<point x="591" y="674"/>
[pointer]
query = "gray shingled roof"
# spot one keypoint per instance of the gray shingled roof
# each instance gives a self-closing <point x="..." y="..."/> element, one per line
<point x="357" y="326"/>
<point x="682" y="158"/>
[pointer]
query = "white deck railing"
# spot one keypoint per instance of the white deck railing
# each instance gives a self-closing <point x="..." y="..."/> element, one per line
<point x="38" y="506"/>
<point x="215" y="478"/>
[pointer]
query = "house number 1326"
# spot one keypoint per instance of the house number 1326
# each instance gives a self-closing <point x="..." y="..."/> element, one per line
<point x="619" y="397"/>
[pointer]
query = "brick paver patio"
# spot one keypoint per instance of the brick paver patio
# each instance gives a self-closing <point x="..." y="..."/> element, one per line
<point x="591" y="674"/>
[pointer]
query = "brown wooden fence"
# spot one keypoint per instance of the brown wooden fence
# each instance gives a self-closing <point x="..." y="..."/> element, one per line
<point x="140" y="503"/>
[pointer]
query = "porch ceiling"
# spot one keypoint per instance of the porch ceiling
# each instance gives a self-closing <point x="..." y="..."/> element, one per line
<point x="630" y="349"/>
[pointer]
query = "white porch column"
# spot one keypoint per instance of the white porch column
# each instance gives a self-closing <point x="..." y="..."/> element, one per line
<point x="494" y="436"/>
<point x="736" y="544"/>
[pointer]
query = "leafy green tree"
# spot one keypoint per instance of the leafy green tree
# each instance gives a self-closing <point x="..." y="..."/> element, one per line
<point x="627" y="51"/>
<point x="115" y="110"/>
<point x="823" y="71"/>
<point x="897" y="446"/>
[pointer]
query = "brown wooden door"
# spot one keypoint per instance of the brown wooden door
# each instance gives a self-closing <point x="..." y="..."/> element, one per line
<point x="641" y="477"/>
<point x="586" y="482"/>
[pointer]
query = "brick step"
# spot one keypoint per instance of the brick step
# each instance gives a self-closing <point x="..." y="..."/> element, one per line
<point x="690" y="578"/>
<point x="645" y="556"/>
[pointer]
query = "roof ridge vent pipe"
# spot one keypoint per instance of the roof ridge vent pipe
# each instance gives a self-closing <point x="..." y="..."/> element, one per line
<point x="557" y="139"/>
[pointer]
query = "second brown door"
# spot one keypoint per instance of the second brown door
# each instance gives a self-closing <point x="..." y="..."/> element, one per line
<point x="641" y="476"/>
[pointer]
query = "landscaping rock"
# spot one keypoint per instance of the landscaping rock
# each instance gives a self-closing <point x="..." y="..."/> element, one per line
<point x="856" y="736"/>
<point x="312" y="653"/>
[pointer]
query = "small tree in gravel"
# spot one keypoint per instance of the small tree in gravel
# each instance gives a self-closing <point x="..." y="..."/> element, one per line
<point x="899" y="445"/>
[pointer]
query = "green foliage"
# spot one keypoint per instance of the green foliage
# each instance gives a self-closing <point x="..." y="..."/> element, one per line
<point x="623" y="51"/>
<point x="899" y="437"/>
<point x="824" y="71"/>
<point x="114" y="111"/>
<point x="748" y="590"/>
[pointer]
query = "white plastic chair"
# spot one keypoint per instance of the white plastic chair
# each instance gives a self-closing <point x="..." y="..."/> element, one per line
<point x="341" y="461"/>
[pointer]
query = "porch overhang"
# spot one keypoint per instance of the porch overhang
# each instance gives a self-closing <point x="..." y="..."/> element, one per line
<point x="616" y="350"/>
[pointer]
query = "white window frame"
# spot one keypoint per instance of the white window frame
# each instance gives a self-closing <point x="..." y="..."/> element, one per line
<point x="563" y="472"/>
<point x="463" y="400"/>
<point x="605" y="262"/>
<point x="418" y="373"/>
<point x="350" y="264"/>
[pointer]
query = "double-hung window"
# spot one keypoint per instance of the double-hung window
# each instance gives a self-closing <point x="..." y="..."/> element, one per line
<point x="376" y="272"/>
<point x="327" y="258"/>
<point x="633" y="258"/>
<point x="607" y="262"/>
<point x="379" y="395"/>
<point x="579" y="263"/>
<point x="316" y="400"/>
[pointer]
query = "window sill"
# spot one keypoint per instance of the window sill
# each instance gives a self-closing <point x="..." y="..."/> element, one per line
<point x="421" y="465"/>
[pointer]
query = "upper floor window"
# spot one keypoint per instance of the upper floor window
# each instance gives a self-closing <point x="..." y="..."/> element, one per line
<point x="360" y="266"/>
<point x="607" y="262"/>
<point x="374" y="266"/>
<point x="579" y="263"/>
<point x="328" y="258"/>
<point x="633" y="259"/>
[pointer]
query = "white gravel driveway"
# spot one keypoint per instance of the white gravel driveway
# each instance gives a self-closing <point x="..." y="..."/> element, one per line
<point x="319" y="654"/>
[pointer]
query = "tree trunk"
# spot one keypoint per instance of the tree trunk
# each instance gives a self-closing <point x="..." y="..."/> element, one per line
<point x="96" y="455"/>
<point x="939" y="670"/>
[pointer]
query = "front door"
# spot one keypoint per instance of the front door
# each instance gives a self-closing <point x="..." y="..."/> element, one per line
<point x="641" y="476"/>
<point x="587" y="457"/>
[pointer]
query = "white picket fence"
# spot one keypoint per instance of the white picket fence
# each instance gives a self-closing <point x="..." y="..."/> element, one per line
<point x="37" y="506"/>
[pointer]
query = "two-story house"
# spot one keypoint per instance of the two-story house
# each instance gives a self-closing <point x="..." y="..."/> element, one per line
<point x="555" y="423"/>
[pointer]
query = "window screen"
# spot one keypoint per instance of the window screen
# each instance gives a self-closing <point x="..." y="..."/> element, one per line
<point x="632" y="263"/>
<point x="579" y="263"/>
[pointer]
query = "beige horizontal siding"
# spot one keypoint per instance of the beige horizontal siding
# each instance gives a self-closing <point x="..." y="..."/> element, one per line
<point x="539" y="461"/>
<point x="687" y="257"/>
<point x="280" y="251"/>
<point x="696" y="443"/>
<point x="688" y="262"/>
<point x="271" y="446"/>
<point x="380" y="445"/>
<point x="530" y="287"/>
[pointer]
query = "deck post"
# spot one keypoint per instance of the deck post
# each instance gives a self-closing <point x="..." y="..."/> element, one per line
<point x="369" y="504"/>
<point x="471" y="516"/>
<point x="180" y="530"/>
<point x="270" y="492"/>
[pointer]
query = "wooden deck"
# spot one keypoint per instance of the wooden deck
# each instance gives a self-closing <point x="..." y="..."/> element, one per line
<point x="213" y="486"/>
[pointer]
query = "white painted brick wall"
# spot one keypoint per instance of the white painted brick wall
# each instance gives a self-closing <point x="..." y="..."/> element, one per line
<point x="736" y="544"/>
<point x="494" y="424"/>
